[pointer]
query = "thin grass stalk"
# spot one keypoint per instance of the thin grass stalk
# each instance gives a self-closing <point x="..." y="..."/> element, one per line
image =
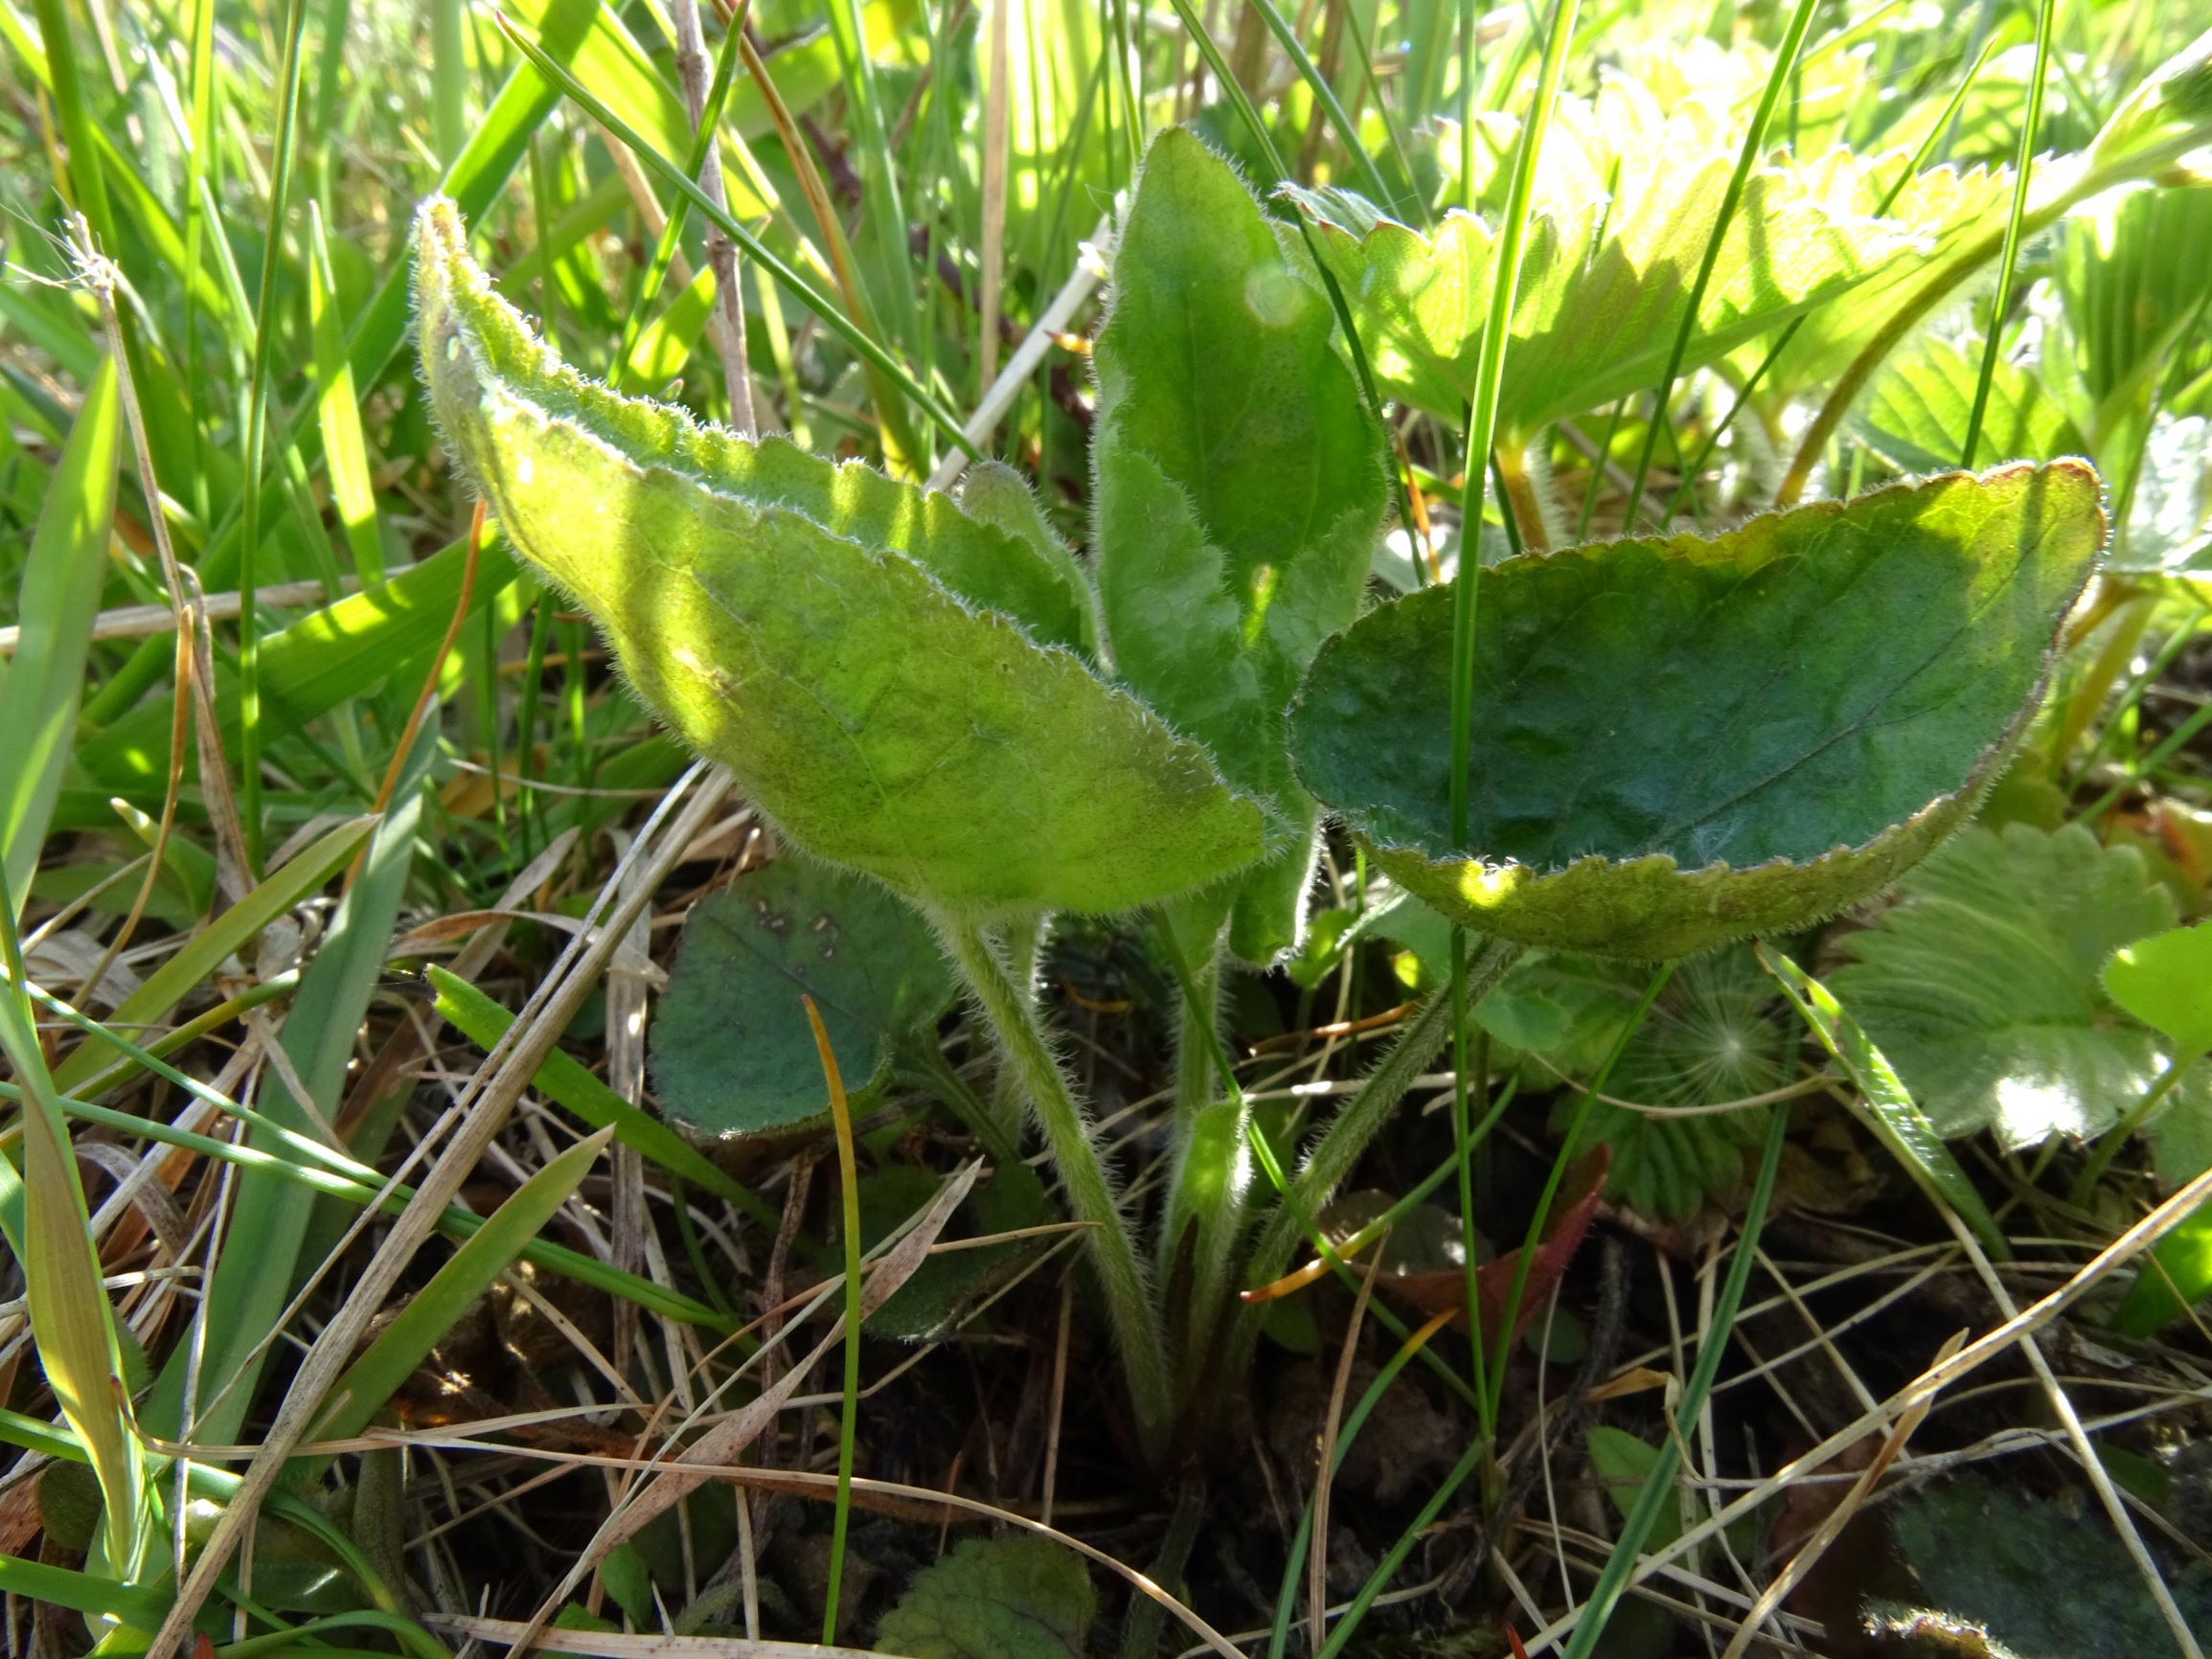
<point x="198" y="154"/>
<point x="706" y="116"/>
<point x="1345" y="1141"/>
<point x="1278" y="1638"/>
<point x="1658" y="1488"/>
<point x="72" y="1322"/>
<point x="1325" y="95"/>
<point x="704" y="162"/>
<point x="1911" y="171"/>
<point x="1472" y="1459"/>
<point x="849" y="1416"/>
<point x="997" y="103"/>
<point x="483" y="1107"/>
<point x="257" y="438"/>
<point x="2016" y="230"/>
<point x="1082" y="1173"/>
<point x="1746" y="158"/>
<point x="88" y="183"/>
<point x="833" y="316"/>
<point x="880" y="179"/>
<point x="1467" y="585"/>
<point x="448" y="81"/>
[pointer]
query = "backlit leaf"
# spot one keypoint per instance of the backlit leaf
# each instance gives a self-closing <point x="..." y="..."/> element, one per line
<point x="1915" y="415"/>
<point x="882" y="697"/>
<point x="2166" y="981"/>
<point x="1626" y="200"/>
<point x="1981" y="987"/>
<point x="1682" y="741"/>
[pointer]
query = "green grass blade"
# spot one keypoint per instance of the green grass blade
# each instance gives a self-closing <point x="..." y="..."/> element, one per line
<point x="1778" y="79"/>
<point x="2016" y="228"/>
<point x="1481" y="433"/>
<point x="564" y="1081"/>
<point x="832" y="315"/>
<point x="256" y="439"/>
<point x="419" y="1327"/>
<point x="1326" y="96"/>
<point x="232" y="931"/>
<point x="337" y="406"/>
<point x="254" y="1275"/>
<point x="72" y="1322"/>
<point x="1897" y="1119"/>
<point x="1659" y="1488"/>
<point x="310" y="1164"/>
<point x="318" y="662"/>
<point x="62" y="578"/>
<point x="87" y="182"/>
<point x="85" y="1592"/>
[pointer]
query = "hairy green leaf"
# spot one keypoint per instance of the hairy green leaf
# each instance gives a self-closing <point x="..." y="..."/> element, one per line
<point x="1239" y="490"/>
<point x="1626" y="200"/>
<point x="732" y="1051"/>
<point x="1015" y="1597"/>
<point x="889" y="698"/>
<point x="1683" y="741"/>
<point x="1981" y="984"/>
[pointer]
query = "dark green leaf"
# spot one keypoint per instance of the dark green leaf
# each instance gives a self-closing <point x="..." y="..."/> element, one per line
<point x="1684" y="741"/>
<point x="2044" y="1579"/>
<point x="732" y="1052"/>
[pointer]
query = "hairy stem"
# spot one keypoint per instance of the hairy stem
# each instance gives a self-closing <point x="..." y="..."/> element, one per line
<point x="1024" y="946"/>
<point x="1211" y="1177"/>
<point x="1082" y="1173"/>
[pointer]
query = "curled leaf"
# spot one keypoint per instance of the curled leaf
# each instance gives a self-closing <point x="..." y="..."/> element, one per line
<point x="1683" y="741"/>
<point x="884" y="674"/>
